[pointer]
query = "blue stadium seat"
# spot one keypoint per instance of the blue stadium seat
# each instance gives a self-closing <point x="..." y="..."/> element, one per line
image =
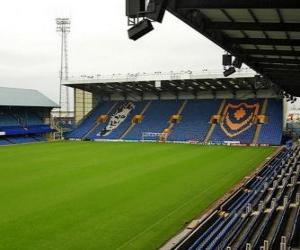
<point x="195" y="120"/>
<point x="20" y="124"/>
<point x="271" y="133"/>
<point x="215" y="234"/>
<point x="121" y="129"/>
<point x="155" y="120"/>
<point x="87" y="124"/>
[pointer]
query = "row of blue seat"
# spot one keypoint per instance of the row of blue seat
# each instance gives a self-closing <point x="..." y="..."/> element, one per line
<point x="222" y="229"/>
<point x="272" y="131"/>
<point x="17" y="123"/>
<point x="194" y="125"/>
<point x="19" y="117"/>
<point x="9" y="140"/>
<point x="18" y="130"/>
<point x="90" y="120"/>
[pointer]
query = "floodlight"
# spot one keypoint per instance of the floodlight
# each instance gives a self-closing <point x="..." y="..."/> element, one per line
<point x="140" y="29"/>
<point x="229" y="71"/>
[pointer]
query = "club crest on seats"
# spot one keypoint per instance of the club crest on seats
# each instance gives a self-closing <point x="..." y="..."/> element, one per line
<point x="238" y="118"/>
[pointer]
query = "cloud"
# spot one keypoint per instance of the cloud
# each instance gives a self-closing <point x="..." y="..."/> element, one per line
<point x="98" y="43"/>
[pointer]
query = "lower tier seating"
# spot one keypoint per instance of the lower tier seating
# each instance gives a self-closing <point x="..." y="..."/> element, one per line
<point x="20" y="139"/>
<point x="18" y="130"/>
<point x="263" y="212"/>
<point x="4" y="142"/>
<point x="237" y="121"/>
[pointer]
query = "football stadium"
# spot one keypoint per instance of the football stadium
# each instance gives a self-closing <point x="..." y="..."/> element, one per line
<point x="176" y="160"/>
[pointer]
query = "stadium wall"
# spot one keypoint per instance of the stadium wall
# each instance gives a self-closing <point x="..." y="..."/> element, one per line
<point x="240" y="94"/>
<point x="84" y="102"/>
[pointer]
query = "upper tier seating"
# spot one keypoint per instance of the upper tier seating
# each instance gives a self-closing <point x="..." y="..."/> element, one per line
<point x="32" y="119"/>
<point x="17" y="123"/>
<point x="7" y="119"/>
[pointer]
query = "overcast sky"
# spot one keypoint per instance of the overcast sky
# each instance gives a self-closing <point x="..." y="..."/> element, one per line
<point x="98" y="43"/>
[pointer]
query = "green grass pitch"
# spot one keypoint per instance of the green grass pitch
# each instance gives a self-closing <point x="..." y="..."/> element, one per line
<point x="83" y="195"/>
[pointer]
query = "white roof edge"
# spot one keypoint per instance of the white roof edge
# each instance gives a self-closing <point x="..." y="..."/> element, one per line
<point x="158" y="76"/>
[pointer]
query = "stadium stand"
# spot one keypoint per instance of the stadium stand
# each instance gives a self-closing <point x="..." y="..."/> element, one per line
<point x="210" y="121"/>
<point x="24" y="116"/>
<point x="264" y="212"/>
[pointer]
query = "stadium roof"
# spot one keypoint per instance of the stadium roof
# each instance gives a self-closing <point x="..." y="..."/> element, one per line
<point x="174" y="83"/>
<point x="262" y="33"/>
<point x="24" y="98"/>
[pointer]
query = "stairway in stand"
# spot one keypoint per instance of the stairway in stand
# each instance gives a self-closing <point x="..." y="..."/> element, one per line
<point x="133" y="124"/>
<point x="171" y="125"/>
<point x="95" y="126"/>
<point x="259" y="126"/>
<point x="213" y="125"/>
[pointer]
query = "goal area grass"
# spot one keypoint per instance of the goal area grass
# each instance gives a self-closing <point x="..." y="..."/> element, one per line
<point x="91" y="195"/>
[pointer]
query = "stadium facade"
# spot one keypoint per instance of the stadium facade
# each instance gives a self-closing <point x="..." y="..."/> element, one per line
<point x="202" y="107"/>
<point x="25" y="116"/>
